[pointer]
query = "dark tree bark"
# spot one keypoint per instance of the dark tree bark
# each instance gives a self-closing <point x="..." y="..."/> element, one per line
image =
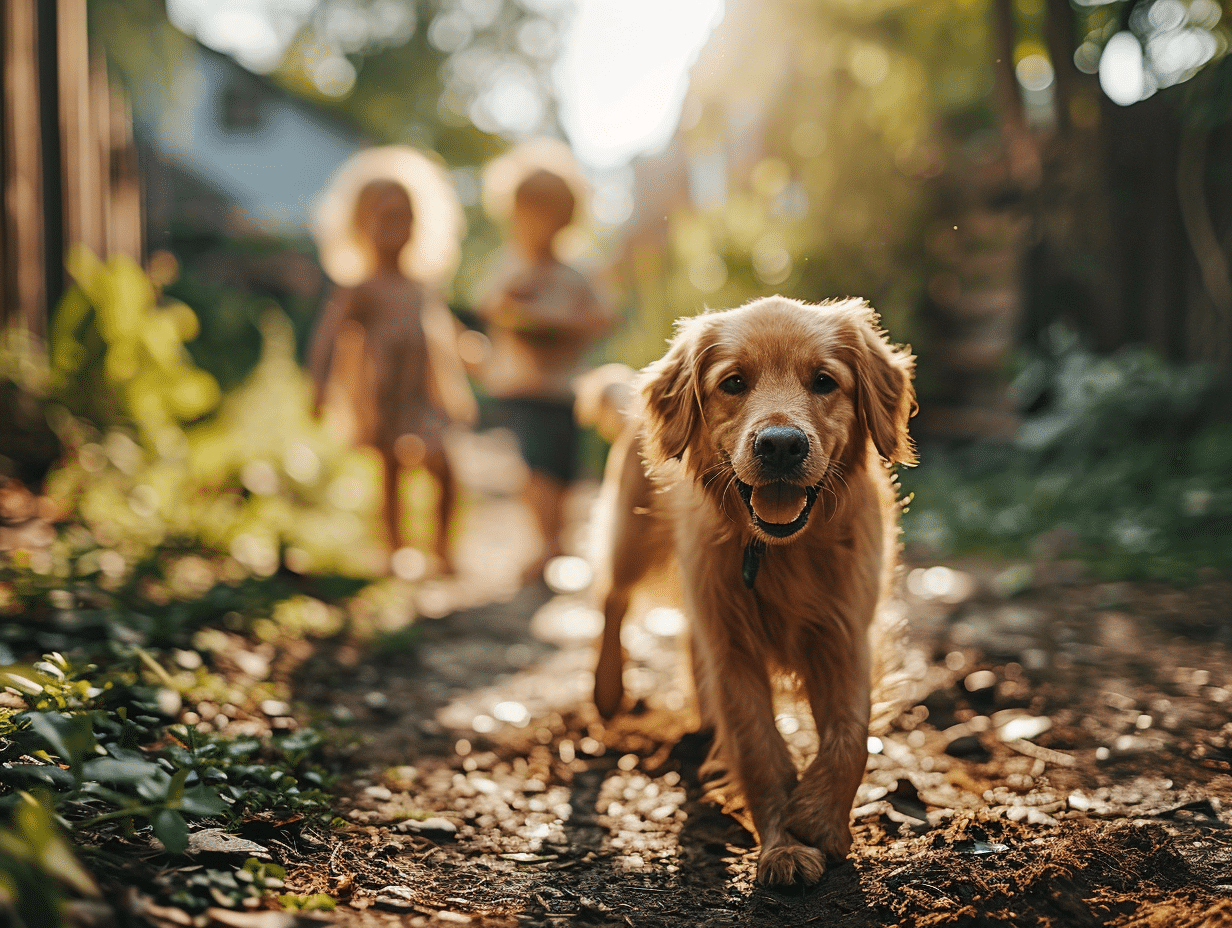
<point x="1020" y="143"/>
<point x="1060" y="32"/>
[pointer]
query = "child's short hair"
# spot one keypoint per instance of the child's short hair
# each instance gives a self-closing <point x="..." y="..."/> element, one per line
<point x="547" y="193"/>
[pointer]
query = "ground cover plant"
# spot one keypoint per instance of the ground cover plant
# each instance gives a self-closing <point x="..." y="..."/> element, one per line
<point x="160" y="577"/>
<point x="104" y="751"/>
<point x="1123" y="462"/>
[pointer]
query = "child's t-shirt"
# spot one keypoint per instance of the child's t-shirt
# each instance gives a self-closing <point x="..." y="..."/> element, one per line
<point x="542" y="320"/>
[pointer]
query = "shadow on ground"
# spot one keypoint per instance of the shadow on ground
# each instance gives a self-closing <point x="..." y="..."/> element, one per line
<point x="1066" y="760"/>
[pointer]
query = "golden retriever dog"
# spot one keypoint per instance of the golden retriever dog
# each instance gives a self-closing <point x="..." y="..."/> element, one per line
<point x="759" y="459"/>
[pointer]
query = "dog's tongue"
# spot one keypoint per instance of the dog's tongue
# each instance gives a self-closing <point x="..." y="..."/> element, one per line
<point x="778" y="503"/>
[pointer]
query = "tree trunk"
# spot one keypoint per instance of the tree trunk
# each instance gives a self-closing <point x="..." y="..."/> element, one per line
<point x="1020" y="144"/>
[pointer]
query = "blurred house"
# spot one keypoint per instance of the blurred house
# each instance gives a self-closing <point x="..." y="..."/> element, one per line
<point x="232" y="165"/>
<point x="231" y="153"/>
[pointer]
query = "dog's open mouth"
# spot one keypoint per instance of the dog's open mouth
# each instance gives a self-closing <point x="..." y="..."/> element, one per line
<point x="779" y="509"/>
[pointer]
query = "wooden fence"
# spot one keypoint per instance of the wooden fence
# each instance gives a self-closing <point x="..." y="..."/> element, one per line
<point x="67" y="159"/>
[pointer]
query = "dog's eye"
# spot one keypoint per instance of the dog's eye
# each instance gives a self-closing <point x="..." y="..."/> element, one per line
<point x="824" y="383"/>
<point x="733" y="384"/>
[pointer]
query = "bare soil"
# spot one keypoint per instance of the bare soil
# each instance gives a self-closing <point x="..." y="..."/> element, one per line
<point x="1065" y="759"/>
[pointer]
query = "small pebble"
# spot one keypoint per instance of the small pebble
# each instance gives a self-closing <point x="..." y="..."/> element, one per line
<point x="436" y="828"/>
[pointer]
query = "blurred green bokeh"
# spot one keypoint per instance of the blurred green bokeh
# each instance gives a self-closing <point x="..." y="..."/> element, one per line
<point x="153" y="454"/>
<point x="1126" y="467"/>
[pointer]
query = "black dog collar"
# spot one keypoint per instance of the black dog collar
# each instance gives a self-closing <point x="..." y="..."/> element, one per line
<point x="752" y="561"/>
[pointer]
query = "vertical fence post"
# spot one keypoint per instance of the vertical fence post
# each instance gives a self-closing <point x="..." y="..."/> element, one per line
<point x="23" y="283"/>
<point x="49" y="132"/>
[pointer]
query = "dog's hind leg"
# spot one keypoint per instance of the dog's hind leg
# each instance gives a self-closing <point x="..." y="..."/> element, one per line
<point x="638" y="542"/>
<point x="714" y="772"/>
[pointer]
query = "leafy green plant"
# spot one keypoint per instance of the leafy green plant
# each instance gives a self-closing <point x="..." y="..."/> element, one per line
<point x="273" y="776"/>
<point x="1126" y="465"/>
<point x="149" y="456"/>
<point x="79" y="766"/>
<point x="38" y="868"/>
<point x="258" y="479"/>
<point x="108" y="780"/>
<point x="229" y="889"/>
<point x="116" y="355"/>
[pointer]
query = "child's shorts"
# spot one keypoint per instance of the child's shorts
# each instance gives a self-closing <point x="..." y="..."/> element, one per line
<point x="546" y="431"/>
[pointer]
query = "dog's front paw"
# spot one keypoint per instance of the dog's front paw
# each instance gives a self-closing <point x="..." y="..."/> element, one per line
<point x="790" y="865"/>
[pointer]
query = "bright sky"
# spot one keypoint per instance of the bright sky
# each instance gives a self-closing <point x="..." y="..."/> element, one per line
<point x="622" y="77"/>
<point x="624" y="73"/>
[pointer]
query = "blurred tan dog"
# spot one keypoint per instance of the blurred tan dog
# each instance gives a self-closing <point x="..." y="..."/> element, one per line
<point x="758" y="457"/>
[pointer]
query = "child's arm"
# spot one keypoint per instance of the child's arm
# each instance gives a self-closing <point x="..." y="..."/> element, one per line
<point x="511" y="310"/>
<point x="321" y="350"/>
<point x="563" y="304"/>
<point x="595" y="316"/>
<point x="509" y="302"/>
<point x="447" y="381"/>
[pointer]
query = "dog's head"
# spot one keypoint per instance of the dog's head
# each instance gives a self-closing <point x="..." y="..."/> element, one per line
<point x="774" y="401"/>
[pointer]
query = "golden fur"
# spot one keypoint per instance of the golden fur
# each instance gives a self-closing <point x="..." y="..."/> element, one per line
<point x="758" y="410"/>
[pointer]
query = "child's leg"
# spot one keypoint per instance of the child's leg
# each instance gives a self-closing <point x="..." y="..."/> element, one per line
<point x="437" y="463"/>
<point x="391" y="512"/>
<point x="545" y="495"/>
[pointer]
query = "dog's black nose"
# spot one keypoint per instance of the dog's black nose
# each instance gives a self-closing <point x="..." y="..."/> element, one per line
<point x="780" y="448"/>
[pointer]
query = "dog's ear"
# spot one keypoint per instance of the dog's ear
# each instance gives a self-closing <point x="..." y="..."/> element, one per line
<point x="885" y="396"/>
<point x="671" y="397"/>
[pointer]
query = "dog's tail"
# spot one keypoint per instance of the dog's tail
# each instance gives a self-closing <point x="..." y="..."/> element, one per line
<point x="603" y="398"/>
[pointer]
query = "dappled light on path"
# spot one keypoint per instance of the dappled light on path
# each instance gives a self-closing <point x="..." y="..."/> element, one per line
<point x="1042" y="767"/>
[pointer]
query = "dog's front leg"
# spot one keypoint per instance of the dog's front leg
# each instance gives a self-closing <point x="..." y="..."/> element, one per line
<point x="837" y="686"/>
<point x="735" y="685"/>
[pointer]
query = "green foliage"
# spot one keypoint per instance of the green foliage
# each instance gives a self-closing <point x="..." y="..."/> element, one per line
<point x="178" y="598"/>
<point x="88" y="740"/>
<point x="232" y="890"/>
<point x="116" y="356"/>
<point x="260" y="479"/>
<point x="105" y="767"/>
<point x="78" y="762"/>
<point x="808" y="170"/>
<point x="38" y="869"/>
<point x="271" y="776"/>
<point x="1125" y="467"/>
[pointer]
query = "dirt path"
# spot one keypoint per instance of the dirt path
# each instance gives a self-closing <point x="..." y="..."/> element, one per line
<point x="1068" y="761"/>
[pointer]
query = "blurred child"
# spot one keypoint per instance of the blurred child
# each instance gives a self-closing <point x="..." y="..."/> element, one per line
<point x="387" y="345"/>
<point x="542" y="318"/>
